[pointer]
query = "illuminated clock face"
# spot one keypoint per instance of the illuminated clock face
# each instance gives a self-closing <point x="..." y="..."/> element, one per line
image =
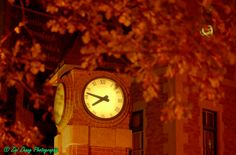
<point x="59" y="103"/>
<point x="103" y="98"/>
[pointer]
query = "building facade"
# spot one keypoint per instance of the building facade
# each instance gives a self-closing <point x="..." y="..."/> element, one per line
<point x="210" y="131"/>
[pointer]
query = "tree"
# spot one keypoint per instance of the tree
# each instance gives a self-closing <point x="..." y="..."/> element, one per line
<point x="194" y="38"/>
<point x="21" y="59"/>
<point x="16" y="136"/>
<point x="186" y="37"/>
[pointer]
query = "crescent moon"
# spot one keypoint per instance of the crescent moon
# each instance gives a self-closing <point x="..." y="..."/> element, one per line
<point x="208" y="32"/>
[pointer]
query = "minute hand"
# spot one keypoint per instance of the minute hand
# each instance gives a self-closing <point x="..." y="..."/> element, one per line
<point x="100" y="97"/>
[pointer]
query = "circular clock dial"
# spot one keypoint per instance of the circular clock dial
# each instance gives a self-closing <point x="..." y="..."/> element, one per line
<point x="59" y="103"/>
<point x="104" y="98"/>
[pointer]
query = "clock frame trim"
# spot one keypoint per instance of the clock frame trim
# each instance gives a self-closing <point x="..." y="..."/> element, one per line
<point x="64" y="102"/>
<point x="87" y="118"/>
<point x="68" y="102"/>
<point x="97" y="117"/>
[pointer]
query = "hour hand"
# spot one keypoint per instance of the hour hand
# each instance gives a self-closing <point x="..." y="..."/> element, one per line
<point x="105" y="98"/>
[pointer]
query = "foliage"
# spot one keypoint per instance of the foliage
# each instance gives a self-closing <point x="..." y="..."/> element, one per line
<point x="18" y="135"/>
<point x="21" y="64"/>
<point x="21" y="59"/>
<point x="193" y="38"/>
<point x="187" y="37"/>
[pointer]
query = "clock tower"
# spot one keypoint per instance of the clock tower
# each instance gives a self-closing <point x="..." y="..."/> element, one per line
<point x="92" y="112"/>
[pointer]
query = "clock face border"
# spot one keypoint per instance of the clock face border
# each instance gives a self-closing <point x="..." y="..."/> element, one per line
<point x="103" y="122"/>
<point x="121" y="86"/>
<point x="67" y="113"/>
<point x="62" y="111"/>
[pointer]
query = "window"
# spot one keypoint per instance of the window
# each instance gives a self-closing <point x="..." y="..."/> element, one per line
<point x="209" y="132"/>
<point x="26" y="101"/>
<point x="11" y="102"/>
<point x="137" y="128"/>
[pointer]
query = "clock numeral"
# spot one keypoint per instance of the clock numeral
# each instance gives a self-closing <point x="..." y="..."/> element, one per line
<point x="103" y="116"/>
<point x="94" y="83"/>
<point x="102" y="81"/>
<point x="117" y="92"/>
<point x="88" y="89"/>
<point x="94" y="112"/>
<point x="117" y="109"/>
<point x="61" y="97"/>
<point x="88" y="106"/>
<point x="119" y="100"/>
<point x="56" y="114"/>
<point x="86" y="96"/>
<point x="116" y="87"/>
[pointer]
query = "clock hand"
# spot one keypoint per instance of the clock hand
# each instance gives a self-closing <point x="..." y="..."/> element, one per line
<point x="100" y="97"/>
<point x="105" y="98"/>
